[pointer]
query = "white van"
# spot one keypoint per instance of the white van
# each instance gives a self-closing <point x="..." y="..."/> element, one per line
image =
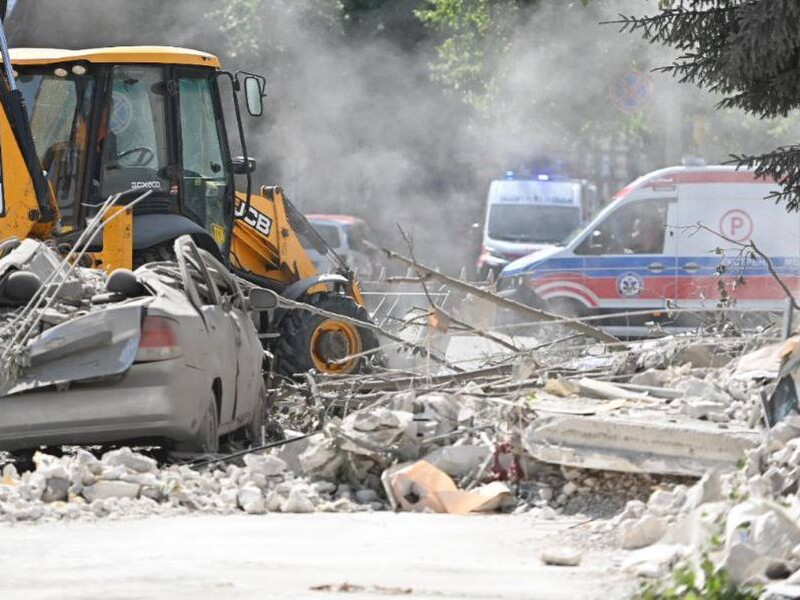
<point x="672" y="238"/>
<point x="526" y="215"/>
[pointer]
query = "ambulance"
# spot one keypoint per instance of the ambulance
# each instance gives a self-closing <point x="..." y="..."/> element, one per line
<point x="524" y="215"/>
<point x="675" y="238"/>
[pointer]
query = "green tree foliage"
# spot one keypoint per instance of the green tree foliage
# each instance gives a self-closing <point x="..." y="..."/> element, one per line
<point x="477" y="40"/>
<point x="745" y="50"/>
<point x="252" y="27"/>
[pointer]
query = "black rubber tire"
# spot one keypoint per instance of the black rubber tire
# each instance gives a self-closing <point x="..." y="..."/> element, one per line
<point x="206" y="439"/>
<point x="293" y="348"/>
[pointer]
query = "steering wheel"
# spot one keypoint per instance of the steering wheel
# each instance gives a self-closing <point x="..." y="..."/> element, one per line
<point x="144" y="155"/>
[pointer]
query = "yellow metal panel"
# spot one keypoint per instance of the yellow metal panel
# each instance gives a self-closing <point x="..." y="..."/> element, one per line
<point x="118" y="54"/>
<point x="21" y="206"/>
<point x="275" y="255"/>
<point x="117" y="239"/>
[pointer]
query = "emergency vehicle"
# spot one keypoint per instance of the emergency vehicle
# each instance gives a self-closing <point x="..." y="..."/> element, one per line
<point x="526" y="215"/>
<point x="675" y="238"/>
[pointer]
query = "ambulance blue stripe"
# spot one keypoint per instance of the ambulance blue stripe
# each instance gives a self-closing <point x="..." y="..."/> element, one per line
<point x="593" y="266"/>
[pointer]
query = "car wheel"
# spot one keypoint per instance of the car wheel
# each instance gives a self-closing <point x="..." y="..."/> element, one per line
<point x="207" y="437"/>
<point x="309" y="341"/>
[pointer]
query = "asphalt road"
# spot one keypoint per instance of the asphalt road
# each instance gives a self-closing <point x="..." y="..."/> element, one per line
<point x="286" y="556"/>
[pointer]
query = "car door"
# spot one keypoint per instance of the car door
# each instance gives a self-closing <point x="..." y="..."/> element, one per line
<point x="630" y="260"/>
<point x="221" y="352"/>
<point x="249" y="352"/>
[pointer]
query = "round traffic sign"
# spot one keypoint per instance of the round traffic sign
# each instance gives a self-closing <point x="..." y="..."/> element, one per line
<point x="631" y="91"/>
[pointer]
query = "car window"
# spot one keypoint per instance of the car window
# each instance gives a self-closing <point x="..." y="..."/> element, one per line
<point x="636" y="228"/>
<point x="329" y="233"/>
<point x="355" y="238"/>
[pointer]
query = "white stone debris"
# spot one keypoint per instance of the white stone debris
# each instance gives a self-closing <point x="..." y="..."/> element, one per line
<point x="562" y="557"/>
<point x="124" y="483"/>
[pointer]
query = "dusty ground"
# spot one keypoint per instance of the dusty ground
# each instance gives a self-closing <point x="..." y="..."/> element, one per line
<point x="285" y="555"/>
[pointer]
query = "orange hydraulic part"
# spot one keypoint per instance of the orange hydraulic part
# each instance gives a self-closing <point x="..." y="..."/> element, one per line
<point x="264" y="243"/>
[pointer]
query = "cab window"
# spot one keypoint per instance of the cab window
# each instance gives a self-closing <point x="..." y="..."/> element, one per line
<point x="133" y="134"/>
<point x="207" y="189"/>
<point x="635" y="228"/>
<point x="58" y="108"/>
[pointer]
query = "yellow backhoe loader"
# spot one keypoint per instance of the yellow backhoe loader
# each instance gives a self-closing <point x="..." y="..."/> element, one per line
<point x="77" y="127"/>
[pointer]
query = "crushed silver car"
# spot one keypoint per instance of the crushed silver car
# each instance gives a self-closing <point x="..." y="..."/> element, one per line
<point x="168" y="352"/>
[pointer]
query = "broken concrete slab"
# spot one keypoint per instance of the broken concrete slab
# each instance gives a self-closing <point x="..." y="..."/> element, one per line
<point x="641" y="444"/>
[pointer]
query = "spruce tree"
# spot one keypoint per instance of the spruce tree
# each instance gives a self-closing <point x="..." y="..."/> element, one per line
<point x="748" y="51"/>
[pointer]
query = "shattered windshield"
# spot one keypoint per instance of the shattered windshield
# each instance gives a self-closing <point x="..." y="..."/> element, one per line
<point x="532" y="223"/>
<point x="58" y="108"/>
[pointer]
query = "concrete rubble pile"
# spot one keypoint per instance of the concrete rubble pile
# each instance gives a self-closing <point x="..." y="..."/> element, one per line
<point x="577" y="431"/>
<point x="744" y="519"/>
<point x="123" y="483"/>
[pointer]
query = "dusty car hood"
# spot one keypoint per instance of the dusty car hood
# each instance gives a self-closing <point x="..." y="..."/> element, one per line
<point x="99" y="344"/>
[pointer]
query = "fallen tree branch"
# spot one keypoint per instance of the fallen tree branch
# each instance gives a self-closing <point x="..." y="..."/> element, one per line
<point x="513" y="305"/>
<point x="750" y="245"/>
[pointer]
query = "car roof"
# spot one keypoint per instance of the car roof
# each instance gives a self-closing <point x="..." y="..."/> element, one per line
<point x="340" y="219"/>
<point x="116" y="54"/>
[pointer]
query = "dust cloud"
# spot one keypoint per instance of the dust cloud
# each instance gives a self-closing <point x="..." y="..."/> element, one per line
<point x="356" y="124"/>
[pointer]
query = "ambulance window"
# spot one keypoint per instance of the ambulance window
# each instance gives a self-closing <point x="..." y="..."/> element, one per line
<point x="636" y="228"/>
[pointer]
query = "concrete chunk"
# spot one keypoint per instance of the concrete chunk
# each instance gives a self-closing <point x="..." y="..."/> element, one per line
<point x="110" y="489"/>
<point x="642" y="533"/>
<point x="638" y="445"/>
<point x="562" y="557"/>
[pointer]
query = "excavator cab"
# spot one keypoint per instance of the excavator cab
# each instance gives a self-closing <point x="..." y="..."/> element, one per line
<point x="104" y="123"/>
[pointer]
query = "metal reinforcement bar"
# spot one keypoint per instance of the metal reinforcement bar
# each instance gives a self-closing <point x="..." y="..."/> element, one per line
<point x="518" y="307"/>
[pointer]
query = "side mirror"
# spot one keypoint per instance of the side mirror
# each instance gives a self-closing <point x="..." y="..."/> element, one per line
<point x="262" y="299"/>
<point x="244" y="165"/>
<point x="254" y="94"/>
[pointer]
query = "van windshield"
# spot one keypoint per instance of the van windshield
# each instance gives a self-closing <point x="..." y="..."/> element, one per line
<point x="532" y="223"/>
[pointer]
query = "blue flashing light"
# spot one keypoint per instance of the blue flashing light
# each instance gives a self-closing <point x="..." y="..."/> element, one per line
<point x="509" y="174"/>
<point x="543" y="177"/>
